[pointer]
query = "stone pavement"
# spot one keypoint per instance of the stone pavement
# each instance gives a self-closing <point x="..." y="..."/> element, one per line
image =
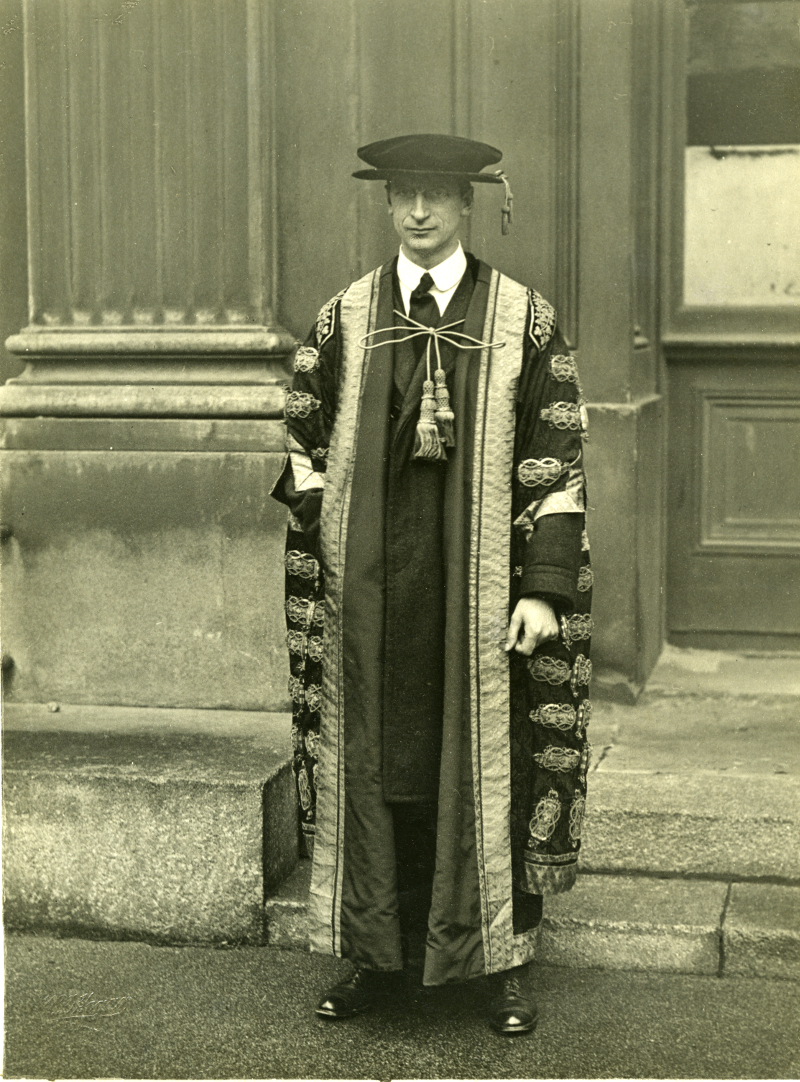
<point x="80" y="1009"/>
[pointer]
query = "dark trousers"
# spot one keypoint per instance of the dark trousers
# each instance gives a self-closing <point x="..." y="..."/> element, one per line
<point x="415" y="853"/>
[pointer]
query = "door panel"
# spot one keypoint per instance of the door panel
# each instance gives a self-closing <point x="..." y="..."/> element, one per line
<point x="750" y="483"/>
<point x="733" y="575"/>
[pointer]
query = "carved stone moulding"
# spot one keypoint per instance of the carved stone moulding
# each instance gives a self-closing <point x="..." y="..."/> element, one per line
<point x="130" y="372"/>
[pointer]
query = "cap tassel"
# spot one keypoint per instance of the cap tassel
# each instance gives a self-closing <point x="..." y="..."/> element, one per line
<point x="506" y="213"/>
<point x="445" y="418"/>
<point x="427" y="443"/>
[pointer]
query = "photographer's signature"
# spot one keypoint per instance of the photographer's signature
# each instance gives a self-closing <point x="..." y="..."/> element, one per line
<point x="82" y="1007"/>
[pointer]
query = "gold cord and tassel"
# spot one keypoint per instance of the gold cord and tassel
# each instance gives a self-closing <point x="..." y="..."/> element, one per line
<point x="436" y="425"/>
<point x="427" y="441"/>
<point x="436" y="418"/>
<point x="445" y="418"/>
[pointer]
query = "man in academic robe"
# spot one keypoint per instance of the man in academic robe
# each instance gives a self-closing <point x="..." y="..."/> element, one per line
<point x="438" y="598"/>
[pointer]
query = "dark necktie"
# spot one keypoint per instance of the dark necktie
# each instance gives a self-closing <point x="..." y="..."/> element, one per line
<point x="423" y="308"/>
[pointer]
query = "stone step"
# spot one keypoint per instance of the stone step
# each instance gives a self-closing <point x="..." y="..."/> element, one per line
<point x="168" y="825"/>
<point x="707" y="787"/>
<point x="174" y="825"/>
<point x="681" y="824"/>
<point x="632" y="923"/>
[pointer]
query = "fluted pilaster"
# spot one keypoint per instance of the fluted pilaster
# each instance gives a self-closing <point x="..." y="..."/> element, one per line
<point x="150" y="187"/>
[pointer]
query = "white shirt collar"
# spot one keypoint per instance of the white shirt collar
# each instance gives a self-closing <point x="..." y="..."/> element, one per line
<point x="446" y="275"/>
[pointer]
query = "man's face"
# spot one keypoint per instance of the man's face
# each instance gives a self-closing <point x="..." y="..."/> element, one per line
<point x="427" y="213"/>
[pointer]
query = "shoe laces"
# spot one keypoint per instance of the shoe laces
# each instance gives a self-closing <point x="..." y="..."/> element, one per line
<point x="513" y="987"/>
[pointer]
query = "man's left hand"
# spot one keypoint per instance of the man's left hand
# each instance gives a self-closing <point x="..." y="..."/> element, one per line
<point x="532" y="623"/>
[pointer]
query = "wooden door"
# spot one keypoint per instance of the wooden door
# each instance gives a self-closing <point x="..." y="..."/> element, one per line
<point x="733" y="326"/>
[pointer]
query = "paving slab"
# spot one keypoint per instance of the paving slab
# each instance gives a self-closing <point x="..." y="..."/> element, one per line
<point x="620" y="922"/>
<point x="762" y="931"/>
<point x="725" y="735"/>
<point x="685" y="670"/>
<point x="168" y="1013"/>
<point x="159" y="824"/>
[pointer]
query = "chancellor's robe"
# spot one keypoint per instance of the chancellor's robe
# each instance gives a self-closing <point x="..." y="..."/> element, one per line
<point x="401" y="575"/>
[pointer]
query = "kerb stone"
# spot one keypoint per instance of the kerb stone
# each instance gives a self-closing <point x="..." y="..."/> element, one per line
<point x="762" y="931"/>
<point x="287" y="911"/>
<point x="635" y="923"/>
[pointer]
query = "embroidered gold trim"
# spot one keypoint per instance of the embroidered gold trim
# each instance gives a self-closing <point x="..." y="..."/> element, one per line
<point x="584" y="415"/>
<point x="297" y="738"/>
<point x="314" y="648"/>
<point x="586" y="758"/>
<point x="490" y="567"/>
<point x="302" y="611"/>
<point x="585" y="579"/>
<point x="545" y="818"/>
<point x="296" y="641"/>
<point x="563" y="415"/>
<point x="295" y="523"/>
<point x="299" y="610"/>
<point x="324" y="900"/>
<point x="584" y="717"/>
<point x="543" y="319"/>
<point x="313" y="697"/>
<point x="304" y="788"/>
<point x="301" y="564"/>
<point x="548" y="670"/>
<point x="320" y="453"/>
<point x="541" y="471"/>
<point x="312" y="743"/>
<point x="555" y="716"/>
<point x="581" y="673"/>
<point x="296" y="690"/>
<point x="548" y="860"/>
<point x="576" y="627"/>
<point x="301" y="404"/>
<point x="306" y="359"/>
<point x="326" y="320"/>
<point x="558" y="760"/>
<point x="584" y="541"/>
<point x="576" y="811"/>
<point x="542" y="878"/>
<point x="564" y="369"/>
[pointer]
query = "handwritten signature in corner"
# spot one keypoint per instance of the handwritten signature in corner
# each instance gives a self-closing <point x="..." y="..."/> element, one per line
<point x="82" y="1007"/>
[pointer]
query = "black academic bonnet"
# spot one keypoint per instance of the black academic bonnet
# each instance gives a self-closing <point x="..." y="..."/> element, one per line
<point x="429" y="155"/>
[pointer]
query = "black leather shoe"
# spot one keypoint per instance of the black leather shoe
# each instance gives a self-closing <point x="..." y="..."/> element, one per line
<point x="511" y="1010"/>
<point x="365" y="989"/>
